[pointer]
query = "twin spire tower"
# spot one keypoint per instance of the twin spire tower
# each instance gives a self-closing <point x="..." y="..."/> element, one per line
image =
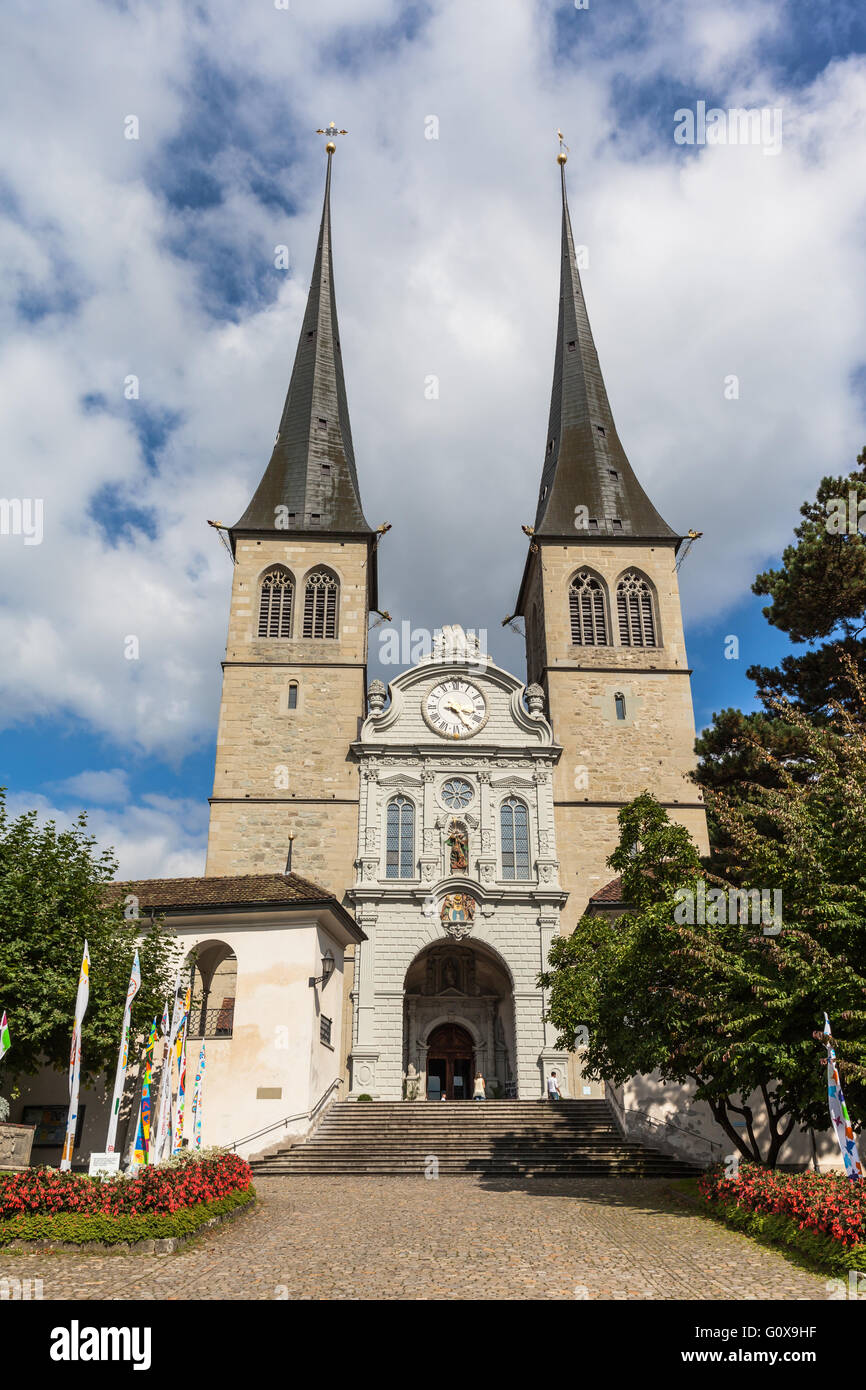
<point x="599" y="596"/>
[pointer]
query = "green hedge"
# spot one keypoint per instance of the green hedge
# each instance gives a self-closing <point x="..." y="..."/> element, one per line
<point x="75" y="1228"/>
<point x="773" y="1228"/>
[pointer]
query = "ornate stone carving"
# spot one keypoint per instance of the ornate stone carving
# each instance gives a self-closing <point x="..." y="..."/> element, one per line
<point x="376" y="697"/>
<point x="487" y="842"/>
<point x="429" y="839"/>
<point x="457" y="911"/>
<point x="370" y="839"/>
<point x="535" y="700"/>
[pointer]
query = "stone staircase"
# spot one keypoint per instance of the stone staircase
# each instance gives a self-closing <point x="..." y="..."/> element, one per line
<point x="499" y="1138"/>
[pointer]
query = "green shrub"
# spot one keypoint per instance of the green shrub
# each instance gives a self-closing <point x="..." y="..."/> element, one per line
<point x="365" y="1097"/>
<point x="76" y="1228"/>
<point x="773" y="1228"/>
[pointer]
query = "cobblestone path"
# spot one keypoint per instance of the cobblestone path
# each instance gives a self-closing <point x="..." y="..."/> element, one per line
<point x="407" y="1238"/>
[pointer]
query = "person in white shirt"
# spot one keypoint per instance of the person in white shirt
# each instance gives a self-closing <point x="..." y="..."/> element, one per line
<point x="553" y="1087"/>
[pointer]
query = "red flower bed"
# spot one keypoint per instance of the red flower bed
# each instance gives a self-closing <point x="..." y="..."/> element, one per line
<point x="48" y="1191"/>
<point x="830" y="1203"/>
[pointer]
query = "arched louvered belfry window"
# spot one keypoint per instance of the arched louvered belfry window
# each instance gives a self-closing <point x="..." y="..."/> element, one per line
<point x="588" y="611"/>
<point x="276" y="603"/>
<point x="400" y="838"/>
<point x="321" y="602"/>
<point x="514" y="826"/>
<point x="634" y="605"/>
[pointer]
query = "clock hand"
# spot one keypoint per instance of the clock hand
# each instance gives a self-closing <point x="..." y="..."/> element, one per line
<point x="459" y="710"/>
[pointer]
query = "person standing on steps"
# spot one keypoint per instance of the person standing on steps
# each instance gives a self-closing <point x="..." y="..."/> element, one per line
<point x="553" y="1092"/>
<point x="480" y="1092"/>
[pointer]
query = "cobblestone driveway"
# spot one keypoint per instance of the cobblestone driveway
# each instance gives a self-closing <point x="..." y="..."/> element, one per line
<point x="406" y="1238"/>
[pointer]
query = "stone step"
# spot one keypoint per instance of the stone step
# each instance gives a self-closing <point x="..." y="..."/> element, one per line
<point x="502" y="1138"/>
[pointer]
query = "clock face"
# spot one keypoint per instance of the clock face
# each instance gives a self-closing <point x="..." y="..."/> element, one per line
<point x="455" y="709"/>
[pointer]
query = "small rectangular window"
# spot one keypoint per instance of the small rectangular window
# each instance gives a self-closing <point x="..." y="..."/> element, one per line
<point x="619" y="701"/>
<point x="592" y="525"/>
<point x="600" y="429"/>
<point x="613" y="473"/>
<point x="326" y="468"/>
<point x="325" y="1030"/>
<point x="293" y="695"/>
<point x="617" y="525"/>
<point x="315" y="518"/>
<point x="322" y="422"/>
<point x="572" y="346"/>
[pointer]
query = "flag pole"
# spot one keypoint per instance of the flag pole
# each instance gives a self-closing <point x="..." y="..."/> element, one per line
<point x="123" y="1055"/>
<point x="81" y="1000"/>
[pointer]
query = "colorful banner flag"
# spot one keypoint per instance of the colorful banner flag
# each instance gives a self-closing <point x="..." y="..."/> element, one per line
<point x="141" y="1152"/>
<point x="163" y="1131"/>
<point x="181" y="1071"/>
<point x="75" y="1059"/>
<point x="839" y="1111"/>
<point x="197" y="1095"/>
<point x="5" y="1039"/>
<point x="123" y="1056"/>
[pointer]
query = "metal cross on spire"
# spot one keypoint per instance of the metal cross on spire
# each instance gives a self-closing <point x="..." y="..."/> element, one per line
<point x="331" y="130"/>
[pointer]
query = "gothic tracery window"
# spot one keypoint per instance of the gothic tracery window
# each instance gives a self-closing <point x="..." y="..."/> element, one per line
<point x="456" y="793"/>
<point x="634" y="603"/>
<point x="587" y="611"/>
<point x="321" y="593"/>
<point x="275" y="604"/>
<point x="514" y="828"/>
<point x="400" y="838"/>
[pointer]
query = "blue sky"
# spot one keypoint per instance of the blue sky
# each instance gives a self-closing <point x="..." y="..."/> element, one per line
<point x="153" y="258"/>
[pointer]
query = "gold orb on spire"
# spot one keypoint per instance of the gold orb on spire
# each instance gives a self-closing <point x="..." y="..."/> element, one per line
<point x="331" y="130"/>
<point x="562" y="157"/>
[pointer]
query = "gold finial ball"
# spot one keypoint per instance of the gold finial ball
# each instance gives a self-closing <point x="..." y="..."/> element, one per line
<point x="330" y="147"/>
<point x="562" y="157"/>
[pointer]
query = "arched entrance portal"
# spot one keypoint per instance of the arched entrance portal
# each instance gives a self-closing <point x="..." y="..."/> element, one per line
<point x="450" y="1061"/>
<point x="458" y="1018"/>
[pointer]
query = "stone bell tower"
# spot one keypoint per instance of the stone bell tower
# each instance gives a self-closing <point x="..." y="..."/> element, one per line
<point x="604" y="631"/>
<point x="294" y="677"/>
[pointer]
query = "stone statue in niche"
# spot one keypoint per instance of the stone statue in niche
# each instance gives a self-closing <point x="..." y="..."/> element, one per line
<point x="457" y="843"/>
<point x="449" y="974"/>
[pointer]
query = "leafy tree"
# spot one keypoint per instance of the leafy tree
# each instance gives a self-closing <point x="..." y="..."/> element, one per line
<point x="731" y="1007"/>
<point x="818" y="596"/>
<point x="819" y="592"/>
<point x="53" y="895"/>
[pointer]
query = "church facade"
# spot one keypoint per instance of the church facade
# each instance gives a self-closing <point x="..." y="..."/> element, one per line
<point x="464" y="814"/>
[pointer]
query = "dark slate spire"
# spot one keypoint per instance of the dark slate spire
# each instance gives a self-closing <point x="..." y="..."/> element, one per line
<point x="312" y="468"/>
<point x="585" y="463"/>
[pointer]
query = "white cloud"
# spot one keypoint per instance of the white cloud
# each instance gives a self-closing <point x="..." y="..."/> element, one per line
<point x="106" y="788"/>
<point x="447" y="253"/>
<point x="159" y="837"/>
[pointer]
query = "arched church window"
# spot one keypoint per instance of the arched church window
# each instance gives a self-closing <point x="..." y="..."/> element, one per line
<point x="619" y="703"/>
<point x="514" y="825"/>
<point x="400" y="838"/>
<point x="587" y="611"/>
<point x="321" y="593"/>
<point x="634" y="604"/>
<point x="293" y="695"/>
<point x="275" y="604"/>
